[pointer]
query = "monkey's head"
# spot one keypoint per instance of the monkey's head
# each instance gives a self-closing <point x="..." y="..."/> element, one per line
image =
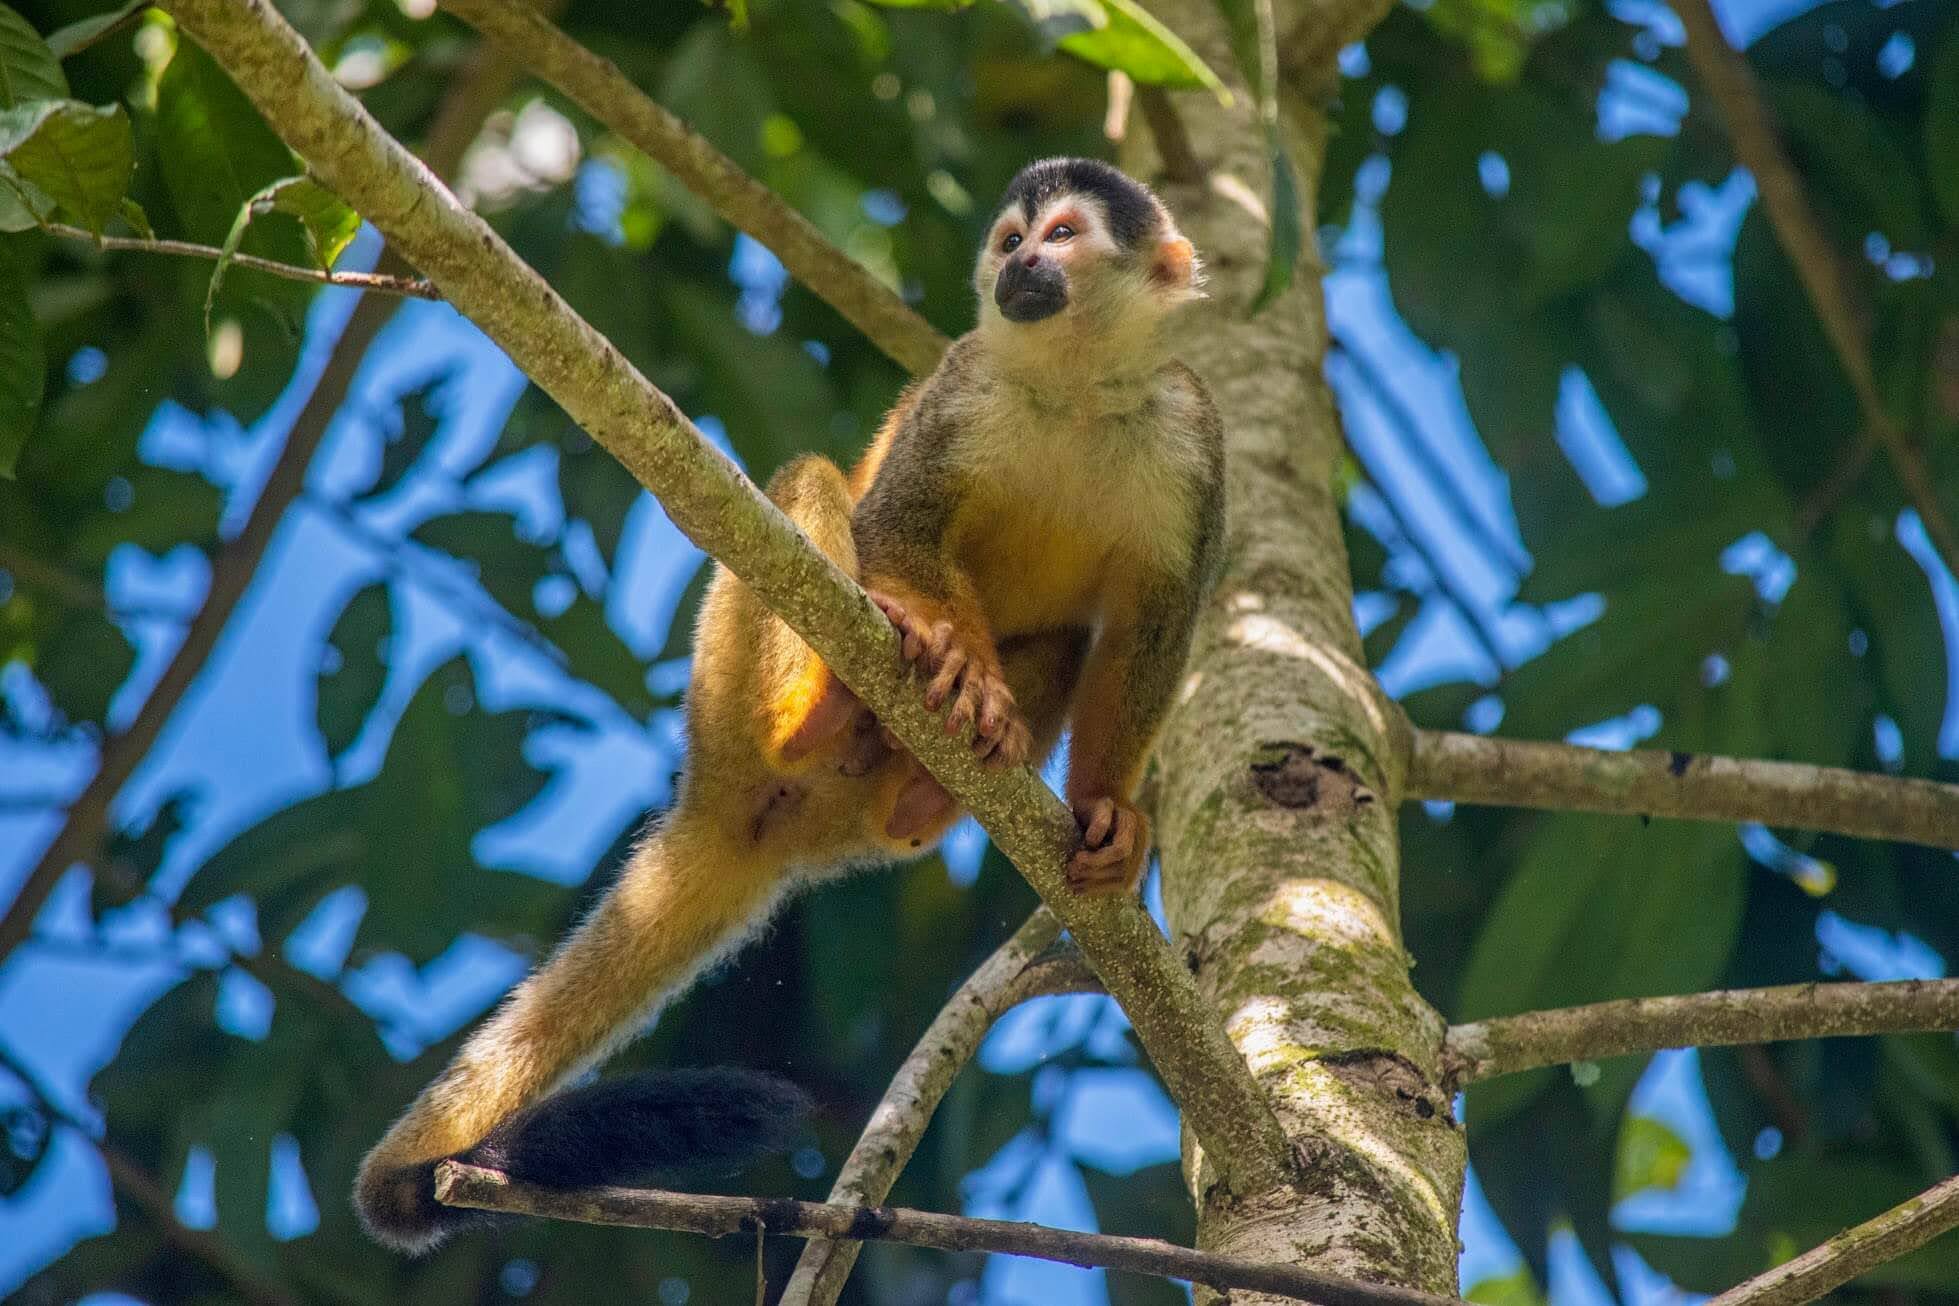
<point x="1078" y="246"/>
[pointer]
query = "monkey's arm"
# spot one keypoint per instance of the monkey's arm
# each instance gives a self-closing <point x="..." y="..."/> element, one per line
<point x="907" y="529"/>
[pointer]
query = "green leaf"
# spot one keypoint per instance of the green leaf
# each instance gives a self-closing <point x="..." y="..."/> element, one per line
<point x="80" y="155"/>
<point x="1288" y="227"/>
<point x="1850" y="160"/>
<point x="29" y="70"/>
<point x="82" y="664"/>
<point x="420" y="411"/>
<point x="215" y="151"/>
<point x="1519" y="1289"/>
<point x="328" y="224"/>
<point x="506" y="565"/>
<point x="23" y="368"/>
<point x="23" y="205"/>
<point x="1601" y="908"/>
<point x="81" y="34"/>
<point x="1942" y="127"/>
<point x="1651" y="1156"/>
<point x="1131" y="40"/>
<point x="350" y="683"/>
<point x="138" y="220"/>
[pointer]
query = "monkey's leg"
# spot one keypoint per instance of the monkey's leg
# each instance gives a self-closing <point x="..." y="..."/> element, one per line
<point x="1126" y="689"/>
<point x="689" y="893"/>
<point x="1043" y="671"/>
<point x="802" y="705"/>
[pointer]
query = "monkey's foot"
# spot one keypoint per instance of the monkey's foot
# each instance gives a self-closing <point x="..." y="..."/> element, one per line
<point x="1115" y="843"/>
<point x="921" y="804"/>
<point x="967" y="678"/>
<point x="827" y="713"/>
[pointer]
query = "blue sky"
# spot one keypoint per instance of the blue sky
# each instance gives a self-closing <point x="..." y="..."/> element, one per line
<point x="243" y="740"/>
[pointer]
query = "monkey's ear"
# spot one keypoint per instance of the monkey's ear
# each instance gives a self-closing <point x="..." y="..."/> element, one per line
<point x="1175" y="267"/>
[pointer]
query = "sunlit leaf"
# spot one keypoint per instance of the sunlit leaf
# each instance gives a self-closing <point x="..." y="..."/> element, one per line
<point x="1651" y="1157"/>
<point x="78" y="155"/>
<point x="81" y="34"/>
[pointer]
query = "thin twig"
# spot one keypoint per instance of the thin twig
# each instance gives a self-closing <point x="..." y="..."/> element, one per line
<point x="597" y="86"/>
<point x="715" y="1217"/>
<point x="1691" y="786"/>
<point x="1510" y="1044"/>
<point x="1904" y="1228"/>
<point x="709" y="499"/>
<point x="484" y="81"/>
<point x="1758" y="145"/>
<point x="379" y="282"/>
<point x="899" y="1120"/>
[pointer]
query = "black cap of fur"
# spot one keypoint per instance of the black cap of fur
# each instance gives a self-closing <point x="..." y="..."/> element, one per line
<point x="657" y="1127"/>
<point x="1131" y="209"/>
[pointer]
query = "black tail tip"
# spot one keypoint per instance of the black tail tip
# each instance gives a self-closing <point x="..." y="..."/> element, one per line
<point x="397" y="1208"/>
<point x="661" y="1126"/>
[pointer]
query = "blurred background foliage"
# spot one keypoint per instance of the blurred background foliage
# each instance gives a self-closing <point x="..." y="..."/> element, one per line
<point x="1608" y="483"/>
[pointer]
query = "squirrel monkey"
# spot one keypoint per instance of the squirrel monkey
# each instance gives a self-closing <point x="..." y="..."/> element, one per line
<point x="1040" y="519"/>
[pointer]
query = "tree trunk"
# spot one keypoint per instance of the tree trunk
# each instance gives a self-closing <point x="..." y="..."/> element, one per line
<point x="1281" y="768"/>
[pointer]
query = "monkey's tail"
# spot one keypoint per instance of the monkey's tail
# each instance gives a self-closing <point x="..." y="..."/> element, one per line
<point x="656" y="1127"/>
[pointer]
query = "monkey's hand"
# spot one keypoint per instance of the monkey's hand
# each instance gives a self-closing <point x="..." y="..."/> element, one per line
<point x="1115" y="843"/>
<point x="965" y="673"/>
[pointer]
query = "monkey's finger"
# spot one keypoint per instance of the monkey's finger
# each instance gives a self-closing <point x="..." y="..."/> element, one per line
<point x="1101" y="817"/>
<point x="950" y="667"/>
<point x="964" y="708"/>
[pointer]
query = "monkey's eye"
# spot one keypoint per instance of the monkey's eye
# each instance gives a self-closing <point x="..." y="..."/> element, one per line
<point x="1011" y="243"/>
<point x="1061" y="233"/>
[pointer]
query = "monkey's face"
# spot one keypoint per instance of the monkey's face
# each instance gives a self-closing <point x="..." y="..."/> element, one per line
<point x="1032" y="263"/>
<point x="1062" y="267"/>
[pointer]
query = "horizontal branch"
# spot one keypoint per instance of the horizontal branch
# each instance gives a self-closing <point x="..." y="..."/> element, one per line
<point x="716" y="1217"/>
<point x="709" y="499"/>
<point x="379" y="282"/>
<point x="1509" y="1044"/>
<point x="1693" y="786"/>
<point x="597" y="86"/>
<point x="1904" y="1228"/>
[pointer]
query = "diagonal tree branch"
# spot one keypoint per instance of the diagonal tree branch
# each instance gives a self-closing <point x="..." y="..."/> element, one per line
<point x="1758" y="145"/>
<point x="1904" y="1228"/>
<point x="1509" y="1044"/>
<point x="598" y="87"/>
<point x="716" y="1217"/>
<point x="892" y="1133"/>
<point x="715" y="505"/>
<point x="1692" y="786"/>
<point x="482" y="83"/>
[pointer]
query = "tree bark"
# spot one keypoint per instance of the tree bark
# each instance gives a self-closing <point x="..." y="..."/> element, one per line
<point x="1279" y="770"/>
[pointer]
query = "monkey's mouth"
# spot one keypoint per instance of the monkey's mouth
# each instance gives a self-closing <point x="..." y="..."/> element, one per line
<point x="1031" y="304"/>
<point x="1027" y="294"/>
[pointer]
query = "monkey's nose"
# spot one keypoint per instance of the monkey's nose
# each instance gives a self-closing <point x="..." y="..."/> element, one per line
<point x="1032" y="261"/>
